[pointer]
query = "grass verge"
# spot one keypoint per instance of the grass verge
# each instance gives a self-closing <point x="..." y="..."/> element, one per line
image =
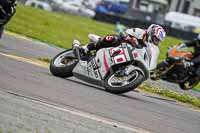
<point x="55" y="28"/>
<point x="60" y="29"/>
<point x="47" y="60"/>
<point x="171" y="94"/>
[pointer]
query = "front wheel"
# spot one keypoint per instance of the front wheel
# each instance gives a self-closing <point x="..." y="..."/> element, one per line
<point x="118" y="84"/>
<point x="162" y="69"/>
<point x="63" y="64"/>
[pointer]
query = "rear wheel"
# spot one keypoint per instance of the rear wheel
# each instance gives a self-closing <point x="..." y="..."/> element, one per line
<point x="63" y="64"/>
<point x="119" y="83"/>
<point x="189" y="84"/>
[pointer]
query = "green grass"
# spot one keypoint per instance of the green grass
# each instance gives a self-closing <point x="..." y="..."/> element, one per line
<point x="47" y="60"/>
<point x="169" y="41"/>
<point x="174" y="95"/>
<point x="60" y="29"/>
<point x="55" y="28"/>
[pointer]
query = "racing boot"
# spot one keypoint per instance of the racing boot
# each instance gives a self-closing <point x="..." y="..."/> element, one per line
<point x="83" y="50"/>
<point x="75" y="44"/>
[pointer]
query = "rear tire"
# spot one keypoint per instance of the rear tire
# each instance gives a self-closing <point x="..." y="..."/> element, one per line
<point x="123" y="89"/>
<point x="63" y="64"/>
<point x="188" y="85"/>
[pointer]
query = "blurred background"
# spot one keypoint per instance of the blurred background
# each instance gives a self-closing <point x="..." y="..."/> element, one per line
<point x="181" y="18"/>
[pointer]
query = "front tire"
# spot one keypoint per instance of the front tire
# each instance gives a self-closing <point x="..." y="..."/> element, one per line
<point x="123" y="87"/>
<point x="162" y="69"/>
<point x="63" y="64"/>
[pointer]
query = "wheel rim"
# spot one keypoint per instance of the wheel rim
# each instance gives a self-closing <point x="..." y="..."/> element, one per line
<point x="120" y="81"/>
<point x="62" y="60"/>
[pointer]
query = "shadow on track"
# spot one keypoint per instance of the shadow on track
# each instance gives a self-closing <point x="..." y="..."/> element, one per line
<point x="87" y="84"/>
<point x="125" y="95"/>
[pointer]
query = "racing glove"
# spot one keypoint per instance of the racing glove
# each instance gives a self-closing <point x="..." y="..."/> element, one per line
<point x="182" y="45"/>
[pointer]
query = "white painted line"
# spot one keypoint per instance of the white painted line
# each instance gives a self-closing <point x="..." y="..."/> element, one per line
<point x="81" y="114"/>
<point x="87" y="116"/>
<point x="96" y="118"/>
<point x="26" y="60"/>
<point x="19" y="36"/>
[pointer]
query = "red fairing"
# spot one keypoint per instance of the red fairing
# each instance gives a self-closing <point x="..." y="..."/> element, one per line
<point x="118" y="55"/>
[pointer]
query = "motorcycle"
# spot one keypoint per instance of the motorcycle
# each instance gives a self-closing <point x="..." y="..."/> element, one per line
<point x="117" y="69"/>
<point x="174" y="71"/>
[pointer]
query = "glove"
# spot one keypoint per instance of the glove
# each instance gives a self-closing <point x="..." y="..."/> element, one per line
<point x="131" y="40"/>
<point x="188" y="64"/>
<point x="182" y="45"/>
<point x="122" y="35"/>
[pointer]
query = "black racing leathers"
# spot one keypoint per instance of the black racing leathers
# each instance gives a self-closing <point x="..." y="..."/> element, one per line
<point x="7" y="10"/>
<point x="108" y="41"/>
<point x="196" y="60"/>
<point x="114" y="41"/>
<point x="196" y="45"/>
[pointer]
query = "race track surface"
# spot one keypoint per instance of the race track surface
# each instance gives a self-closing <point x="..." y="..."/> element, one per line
<point x="20" y="78"/>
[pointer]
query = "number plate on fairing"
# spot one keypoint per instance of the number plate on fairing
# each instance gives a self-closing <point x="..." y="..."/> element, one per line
<point x="118" y="55"/>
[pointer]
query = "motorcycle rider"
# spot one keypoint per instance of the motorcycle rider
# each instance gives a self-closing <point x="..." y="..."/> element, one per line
<point x="195" y="62"/>
<point x="196" y="45"/>
<point x="136" y="36"/>
<point x="7" y="10"/>
<point x="193" y="65"/>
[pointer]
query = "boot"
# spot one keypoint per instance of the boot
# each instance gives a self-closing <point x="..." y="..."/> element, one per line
<point x="83" y="50"/>
<point x="75" y="44"/>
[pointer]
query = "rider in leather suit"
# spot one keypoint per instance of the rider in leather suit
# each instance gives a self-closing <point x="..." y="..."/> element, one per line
<point x="195" y="62"/>
<point x="7" y="10"/>
<point x="136" y="36"/>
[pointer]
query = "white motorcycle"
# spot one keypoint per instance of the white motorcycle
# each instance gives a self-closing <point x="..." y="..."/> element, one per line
<point x="118" y="69"/>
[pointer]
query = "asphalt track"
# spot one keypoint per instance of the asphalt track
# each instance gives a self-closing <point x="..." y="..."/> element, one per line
<point x="21" y="75"/>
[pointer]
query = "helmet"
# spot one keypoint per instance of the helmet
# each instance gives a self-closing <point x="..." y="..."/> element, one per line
<point x="156" y="34"/>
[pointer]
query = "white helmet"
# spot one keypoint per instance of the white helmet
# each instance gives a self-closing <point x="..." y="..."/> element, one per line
<point x="156" y="34"/>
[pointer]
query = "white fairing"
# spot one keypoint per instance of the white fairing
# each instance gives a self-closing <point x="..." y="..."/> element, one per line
<point x="98" y="67"/>
<point x="154" y="53"/>
<point x="147" y="55"/>
<point x="93" y="38"/>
